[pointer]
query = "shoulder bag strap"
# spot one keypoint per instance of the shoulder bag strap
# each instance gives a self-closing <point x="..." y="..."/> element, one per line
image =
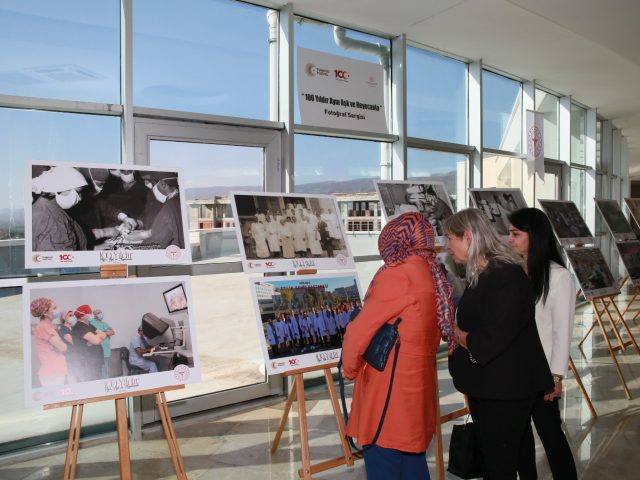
<point x="386" y="402"/>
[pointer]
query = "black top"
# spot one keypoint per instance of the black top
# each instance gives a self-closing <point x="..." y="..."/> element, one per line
<point x="83" y="351"/>
<point x="505" y="359"/>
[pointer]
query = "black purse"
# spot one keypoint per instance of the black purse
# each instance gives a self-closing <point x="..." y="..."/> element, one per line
<point x="376" y="355"/>
<point x="465" y="459"/>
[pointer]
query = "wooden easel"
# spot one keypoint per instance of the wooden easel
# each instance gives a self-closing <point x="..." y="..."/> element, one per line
<point x="440" y="419"/>
<point x="73" y="442"/>
<point x="77" y="408"/>
<point x="606" y="301"/>
<point x="636" y="293"/>
<point x="297" y="392"/>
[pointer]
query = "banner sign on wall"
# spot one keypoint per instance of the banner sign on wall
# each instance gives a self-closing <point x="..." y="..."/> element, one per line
<point x="340" y="92"/>
<point x="535" y="143"/>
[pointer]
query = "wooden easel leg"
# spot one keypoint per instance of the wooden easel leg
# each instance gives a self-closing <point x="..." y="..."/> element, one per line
<point x="123" y="438"/>
<point x="625" y="326"/>
<point x="611" y="352"/>
<point x="572" y="367"/>
<point x="285" y="415"/>
<point x="170" y="435"/>
<point x="304" y="430"/>
<point x="438" y="433"/>
<point x="346" y="449"/>
<point x="73" y="442"/>
<point x="613" y="325"/>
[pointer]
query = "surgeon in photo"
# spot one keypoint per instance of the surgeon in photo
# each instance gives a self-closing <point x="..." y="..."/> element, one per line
<point x="56" y="191"/>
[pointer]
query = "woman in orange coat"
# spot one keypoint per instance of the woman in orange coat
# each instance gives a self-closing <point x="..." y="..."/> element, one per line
<point x="412" y="286"/>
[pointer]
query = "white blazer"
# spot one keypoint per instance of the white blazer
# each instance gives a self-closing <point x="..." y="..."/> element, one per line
<point x="554" y="318"/>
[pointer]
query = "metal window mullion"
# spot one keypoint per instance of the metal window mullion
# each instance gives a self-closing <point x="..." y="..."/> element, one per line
<point x="426" y="144"/>
<point x="126" y="81"/>
<point x="342" y="133"/>
<point x="63" y="106"/>
<point x="564" y="145"/>
<point x="474" y="124"/>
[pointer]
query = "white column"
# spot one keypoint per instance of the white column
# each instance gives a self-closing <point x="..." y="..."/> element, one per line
<point x="475" y="123"/>
<point x="399" y="111"/>
<point x="285" y="88"/>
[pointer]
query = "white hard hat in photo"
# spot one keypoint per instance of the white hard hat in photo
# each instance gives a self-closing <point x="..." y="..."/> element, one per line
<point x="59" y="179"/>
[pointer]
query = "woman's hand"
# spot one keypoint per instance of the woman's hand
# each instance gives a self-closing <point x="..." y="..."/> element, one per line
<point x="460" y="336"/>
<point x="557" y="390"/>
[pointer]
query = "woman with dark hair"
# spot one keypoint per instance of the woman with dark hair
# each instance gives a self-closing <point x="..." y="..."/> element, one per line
<point x="501" y="366"/>
<point x="409" y="285"/>
<point x="531" y="236"/>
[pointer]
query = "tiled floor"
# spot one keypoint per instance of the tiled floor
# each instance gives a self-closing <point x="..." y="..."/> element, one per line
<point x="237" y="446"/>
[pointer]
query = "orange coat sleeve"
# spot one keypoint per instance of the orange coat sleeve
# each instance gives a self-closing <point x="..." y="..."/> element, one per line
<point x="386" y="299"/>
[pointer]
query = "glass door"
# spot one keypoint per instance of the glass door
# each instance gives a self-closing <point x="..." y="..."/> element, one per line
<point x="215" y="160"/>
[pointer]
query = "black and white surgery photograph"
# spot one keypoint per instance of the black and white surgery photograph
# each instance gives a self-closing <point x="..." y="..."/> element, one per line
<point x="497" y="204"/>
<point x="431" y="199"/>
<point x="86" y="215"/>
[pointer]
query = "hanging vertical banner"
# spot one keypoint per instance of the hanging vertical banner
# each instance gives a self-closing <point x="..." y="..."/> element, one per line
<point x="535" y="143"/>
<point x="340" y="92"/>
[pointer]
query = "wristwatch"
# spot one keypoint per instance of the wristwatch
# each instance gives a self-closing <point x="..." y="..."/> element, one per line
<point x="557" y="378"/>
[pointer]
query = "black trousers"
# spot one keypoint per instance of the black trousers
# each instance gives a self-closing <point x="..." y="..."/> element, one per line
<point x="546" y="417"/>
<point x="499" y="427"/>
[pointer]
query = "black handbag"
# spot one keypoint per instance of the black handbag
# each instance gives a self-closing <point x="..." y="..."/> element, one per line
<point x="376" y="355"/>
<point x="465" y="459"/>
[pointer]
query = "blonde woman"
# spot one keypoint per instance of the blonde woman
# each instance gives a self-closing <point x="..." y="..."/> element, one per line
<point x="500" y="364"/>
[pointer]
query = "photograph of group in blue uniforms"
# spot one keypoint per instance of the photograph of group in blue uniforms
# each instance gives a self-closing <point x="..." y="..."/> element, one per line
<point x="81" y="334"/>
<point x="85" y="208"/>
<point x="304" y="316"/>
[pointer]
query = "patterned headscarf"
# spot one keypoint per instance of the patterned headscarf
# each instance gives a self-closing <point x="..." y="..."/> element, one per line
<point x="411" y="234"/>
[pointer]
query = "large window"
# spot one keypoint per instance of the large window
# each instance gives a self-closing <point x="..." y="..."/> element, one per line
<point x="51" y="136"/>
<point x="448" y="168"/>
<point x="578" y="177"/>
<point x="578" y="134"/>
<point x="436" y="96"/>
<point x="549" y="106"/>
<point x="501" y="171"/>
<point x="67" y="49"/>
<point x="210" y="172"/>
<point x="345" y="168"/>
<point x="502" y="112"/>
<point x="207" y="56"/>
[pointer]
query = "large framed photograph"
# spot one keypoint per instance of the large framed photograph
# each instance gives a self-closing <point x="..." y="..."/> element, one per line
<point x="86" y="215"/>
<point x="303" y="318"/>
<point x="497" y="204"/>
<point x="283" y="232"/>
<point x="616" y="221"/>
<point x="592" y="272"/>
<point x="567" y="222"/>
<point x="633" y="206"/>
<point x="92" y="338"/>
<point x="429" y="198"/>
<point x="630" y="255"/>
